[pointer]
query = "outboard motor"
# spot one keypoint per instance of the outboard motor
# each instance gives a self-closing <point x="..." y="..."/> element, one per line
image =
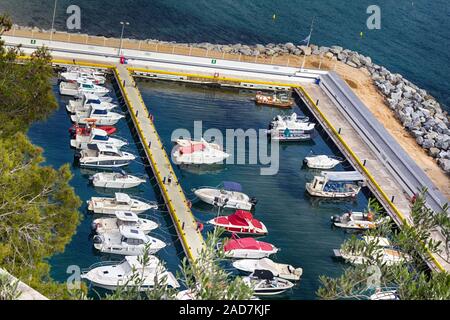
<point x="253" y="201"/>
<point x="97" y="239"/>
<point x="77" y="155"/>
<point x="335" y="218"/>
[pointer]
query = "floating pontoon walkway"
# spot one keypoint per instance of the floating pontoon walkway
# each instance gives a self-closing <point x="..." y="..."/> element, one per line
<point x="177" y="204"/>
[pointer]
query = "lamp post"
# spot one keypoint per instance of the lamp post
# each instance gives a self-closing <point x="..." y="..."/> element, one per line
<point x="53" y="20"/>
<point x="307" y="43"/>
<point x="121" y="35"/>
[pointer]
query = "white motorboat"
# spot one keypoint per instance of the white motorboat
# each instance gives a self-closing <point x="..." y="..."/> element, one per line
<point x="197" y="152"/>
<point x="80" y="87"/>
<point x="357" y="220"/>
<point x="264" y="283"/>
<point x="83" y="138"/>
<point x="248" y="248"/>
<point x="121" y="202"/>
<point x="98" y="113"/>
<point x="83" y="75"/>
<point x="103" y="156"/>
<point x="229" y="195"/>
<point x="95" y="72"/>
<point x="291" y="128"/>
<point x="123" y="218"/>
<point x="331" y="184"/>
<point x="127" y="241"/>
<point x="322" y="162"/>
<point x="280" y="270"/>
<point x="110" y="276"/>
<point x="384" y="295"/>
<point x="383" y="253"/>
<point x="115" y="180"/>
<point x="86" y="101"/>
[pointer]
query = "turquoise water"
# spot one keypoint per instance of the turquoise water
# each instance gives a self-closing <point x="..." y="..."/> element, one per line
<point x="297" y="224"/>
<point x="413" y="39"/>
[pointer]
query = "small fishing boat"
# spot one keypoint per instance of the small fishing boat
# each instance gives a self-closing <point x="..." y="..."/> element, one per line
<point x="384" y="253"/>
<point x="123" y="218"/>
<point x="281" y="100"/>
<point x="111" y="275"/>
<point x="285" y="271"/>
<point x="115" y="180"/>
<point x="357" y="220"/>
<point x="331" y="184"/>
<point x="291" y="128"/>
<point x="264" y="283"/>
<point x="98" y="113"/>
<point x="228" y="195"/>
<point x="83" y="75"/>
<point x="83" y="138"/>
<point x="103" y="156"/>
<point x="87" y="100"/>
<point x="78" y="88"/>
<point x="127" y="241"/>
<point x="197" y="152"/>
<point x="83" y="129"/>
<point x="248" y="248"/>
<point x="241" y="222"/>
<point x="95" y="72"/>
<point x="322" y="162"/>
<point x="121" y="202"/>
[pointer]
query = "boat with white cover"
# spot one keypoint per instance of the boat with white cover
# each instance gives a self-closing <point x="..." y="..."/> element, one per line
<point x="127" y="241"/>
<point x="264" y="283"/>
<point x="123" y="218"/>
<point x="329" y="184"/>
<point x="98" y="113"/>
<point x="83" y="75"/>
<point x="87" y="100"/>
<point x="229" y="195"/>
<point x="197" y="152"/>
<point x="83" y="138"/>
<point x="322" y="162"/>
<point x="121" y="202"/>
<point x="357" y="220"/>
<point x="78" y="88"/>
<point x="281" y="270"/>
<point x="248" y="248"/>
<point x="291" y="128"/>
<point x="384" y="253"/>
<point x="103" y="156"/>
<point x="93" y="71"/>
<point x="115" y="180"/>
<point x="110" y="276"/>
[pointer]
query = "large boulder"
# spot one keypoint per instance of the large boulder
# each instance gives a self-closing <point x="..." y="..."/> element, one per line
<point x="307" y="51"/>
<point x="428" y="143"/>
<point x="434" y="152"/>
<point x="444" y="164"/>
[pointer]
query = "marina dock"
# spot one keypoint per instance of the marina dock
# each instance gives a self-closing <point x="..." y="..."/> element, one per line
<point x="176" y="202"/>
<point x="392" y="180"/>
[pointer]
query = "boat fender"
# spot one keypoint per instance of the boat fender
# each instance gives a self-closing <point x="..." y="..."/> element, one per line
<point x="189" y="203"/>
<point x="94" y="226"/>
<point x="97" y="239"/>
<point x="200" y="226"/>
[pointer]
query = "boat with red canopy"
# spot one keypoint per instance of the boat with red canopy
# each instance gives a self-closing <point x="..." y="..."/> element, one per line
<point x="241" y="222"/>
<point x="248" y="248"/>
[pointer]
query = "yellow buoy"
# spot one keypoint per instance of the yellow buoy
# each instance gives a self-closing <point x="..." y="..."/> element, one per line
<point x="361" y="34"/>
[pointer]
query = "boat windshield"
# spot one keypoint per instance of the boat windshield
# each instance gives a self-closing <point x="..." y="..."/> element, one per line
<point x="102" y="138"/>
<point x="93" y="101"/>
<point x="98" y="111"/>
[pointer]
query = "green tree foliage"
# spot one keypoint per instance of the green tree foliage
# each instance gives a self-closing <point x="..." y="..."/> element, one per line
<point x="411" y="279"/>
<point x="38" y="208"/>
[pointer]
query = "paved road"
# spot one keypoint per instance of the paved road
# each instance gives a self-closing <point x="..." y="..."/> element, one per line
<point x="176" y="202"/>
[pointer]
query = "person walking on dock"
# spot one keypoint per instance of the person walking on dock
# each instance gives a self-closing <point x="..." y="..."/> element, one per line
<point x="137" y="113"/>
<point x="169" y="180"/>
<point x="164" y="180"/>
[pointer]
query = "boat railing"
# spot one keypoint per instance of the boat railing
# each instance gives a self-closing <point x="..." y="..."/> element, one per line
<point x="144" y="200"/>
<point x="100" y="264"/>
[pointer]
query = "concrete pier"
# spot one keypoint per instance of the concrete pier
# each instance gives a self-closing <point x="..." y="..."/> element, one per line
<point x="176" y="202"/>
